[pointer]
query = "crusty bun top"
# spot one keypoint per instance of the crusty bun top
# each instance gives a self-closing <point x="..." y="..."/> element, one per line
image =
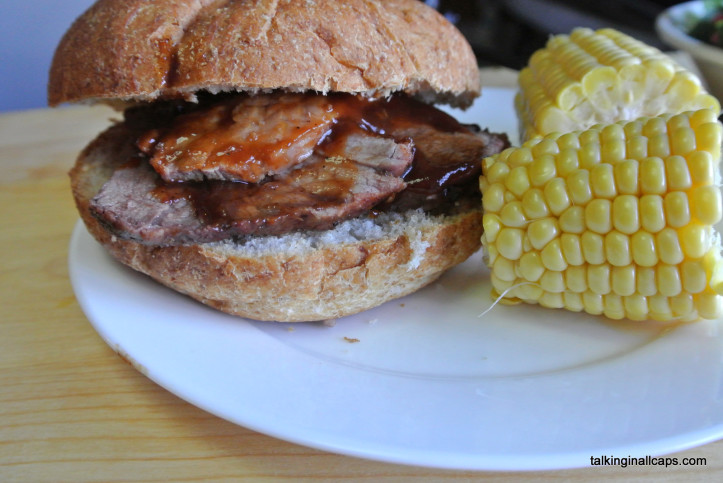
<point x="136" y="50"/>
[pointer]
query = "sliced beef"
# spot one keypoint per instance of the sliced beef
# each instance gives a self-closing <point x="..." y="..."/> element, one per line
<point x="126" y="205"/>
<point x="494" y="142"/>
<point x="452" y="148"/>
<point x="270" y="164"/>
<point x="242" y="139"/>
<point x="447" y="166"/>
<point x="372" y="150"/>
<point x="317" y="195"/>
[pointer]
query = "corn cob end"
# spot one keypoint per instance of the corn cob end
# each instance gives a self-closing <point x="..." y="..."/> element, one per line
<point x="617" y="220"/>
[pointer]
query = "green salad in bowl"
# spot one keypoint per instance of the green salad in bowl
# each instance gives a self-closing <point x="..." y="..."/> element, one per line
<point x="708" y="27"/>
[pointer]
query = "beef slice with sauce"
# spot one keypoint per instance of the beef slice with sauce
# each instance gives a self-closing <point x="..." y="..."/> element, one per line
<point x="135" y="205"/>
<point x="246" y="138"/>
<point x="447" y="165"/>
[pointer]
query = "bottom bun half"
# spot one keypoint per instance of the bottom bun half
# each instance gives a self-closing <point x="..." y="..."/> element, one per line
<point x="301" y="276"/>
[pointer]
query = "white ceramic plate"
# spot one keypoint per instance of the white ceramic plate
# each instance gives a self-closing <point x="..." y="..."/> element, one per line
<point x="424" y="380"/>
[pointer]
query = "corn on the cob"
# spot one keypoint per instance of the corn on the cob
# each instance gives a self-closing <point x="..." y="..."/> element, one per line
<point x="615" y="220"/>
<point x="600" y="77"/>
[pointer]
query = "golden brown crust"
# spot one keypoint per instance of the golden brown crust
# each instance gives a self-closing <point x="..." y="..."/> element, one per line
<point x="136" y="50"/>
<point x="330" y="281"/>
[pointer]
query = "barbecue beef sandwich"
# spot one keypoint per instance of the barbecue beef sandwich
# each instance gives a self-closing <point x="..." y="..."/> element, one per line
<point x="278" y="160"/>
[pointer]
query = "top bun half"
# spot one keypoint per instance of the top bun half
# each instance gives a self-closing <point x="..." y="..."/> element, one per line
<point x="136" y="50"/>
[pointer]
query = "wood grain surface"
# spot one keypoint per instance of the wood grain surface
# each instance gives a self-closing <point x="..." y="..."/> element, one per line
<point x="72" y="410"/>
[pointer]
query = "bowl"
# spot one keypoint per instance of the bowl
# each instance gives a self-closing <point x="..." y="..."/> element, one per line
<point x="671" y="26"/>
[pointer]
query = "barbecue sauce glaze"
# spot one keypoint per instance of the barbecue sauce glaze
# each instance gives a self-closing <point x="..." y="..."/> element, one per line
<point x="433" y="183"/>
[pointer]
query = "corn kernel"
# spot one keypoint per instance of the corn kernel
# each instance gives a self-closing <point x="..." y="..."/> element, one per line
<point x="636" y="307"/>
<point x="623" y="280"/>
<point x="573" y="220"/>
<point x="593" y="302"/>
<point x="597" y="216"/>
<point x="512" y="214"/>
<point x="645" y="281"/>
<point x="695" y="240"/>
<point x="708" y="137"/>
<point x="591" y="136"/>
<point x="541" y="170"/>
<point x="571" y="249"/>
<point x="682" y="305"/>
<point x="710" y="306"/>
<point x="488" y="162"/>
<point x="566" y="162"/>
<point x="529" y="292"/>
<point x="589" y="155"/>
<point x="534" y="205"/>
<point x="611" y="133"/>
<point x="593" y="247"/>
<point x="652" y="215"/>
<point x="541" y="232"/>
<point x="556" y="195"/>
<point x="519" y="157"/>
<point x="551" y="300"/>
<point x="676" y="173"/>
<point x="504" y="269"/>
<point x="552" y="257"/>
<point x="500" y="285"/>
<point x="652" y="176"/>
<point x="509" y="243"/>
<point x="682" y="141"/>
<point x="668" y="280"/>
<point x="626" y="177"/>
<point x="713" y="263"/>
<point x="569" y="142"/>
<point x="677" y="212"/>
<point x="700" y="117"/>
<point x="572" y="301"/>
<point x="494" y="198"/>
<point x="492" y="253"/>
<point x="659" y="146"/>
<point x="678" y="121"/>
<point x="491" y="224"/>
<point x="531" y="268"/>
<point x="636" y="147"/>
<point x="613" y="150"/>
<point x="693" y="276"/>
<point x="517" y="181"/>
<point x="598" y="278"/>
<point x="483" y="184"/>
<point x="578" y="185"/>
<point x="613" y="306"/>
<point x="603" y="181"/>
<point x="617" y="249"/>
<point x="655" y="126"/>
<point x="497" y="172"/>
<point x="634" y="129"/>
<point x="701" y="167"/>
<point x="576" y="279"/>
<point x="659" y="307"/>
<point x="670" y="250"/>
<point x="625" y="214"/>
<point x="553" y="282"/>
<point x="707" y="204"/>
<point x="544" y="147"/>
<point x="642" y="245"/>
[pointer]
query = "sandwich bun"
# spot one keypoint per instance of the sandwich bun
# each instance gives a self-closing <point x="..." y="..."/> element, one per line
<point x="135" y="50"/>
